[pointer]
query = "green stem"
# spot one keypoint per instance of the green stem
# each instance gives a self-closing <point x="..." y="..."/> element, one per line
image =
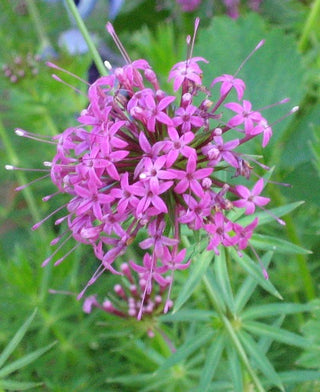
<point x="36" y="18"/>
<point x="312" y="24"/>
<point x="232" y="334"/>
<point x="28" y="195"/>
<point x="94" y="53"/>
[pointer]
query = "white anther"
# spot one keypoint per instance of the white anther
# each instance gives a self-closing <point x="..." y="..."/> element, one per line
<point x="9" y="167"/>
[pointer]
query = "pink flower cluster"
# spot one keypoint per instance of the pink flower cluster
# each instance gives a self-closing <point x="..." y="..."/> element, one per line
<point x="142" y="160"/>
<point x="233" y="6"/>
<point x="189" y="5"/>
<point x="130" y="298"/>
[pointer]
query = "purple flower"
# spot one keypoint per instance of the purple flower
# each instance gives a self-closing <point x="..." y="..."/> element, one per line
<point x="144" y="163"/>
<point x="149" y="110"/>
<point x="153" y="174"/>
<point x="197" y="211"/>
<point x="219" y="231"/>
<point x="174" y="261"/>
<point x="219" y="150"/>
<point x="149" y="272"/>
<point x="250" y="199"/>
<point x="232" y="8"/>
<point x="157" y="240"/>
<point x="187" y="118"/>
<point x="186" y="71"/>
<point x="189" y="178"/>
<point x="132" y="300"/>
<point x="244" y="233"/>
<point x="189" y="5"/>
<point x="244" y="115"/>
<point x="178" y="145"/>
<point x="229" y="82"/>
<point x="263" y="127"/>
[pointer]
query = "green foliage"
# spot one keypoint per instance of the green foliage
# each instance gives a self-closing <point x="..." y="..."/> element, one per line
<point x="7" y="369"/>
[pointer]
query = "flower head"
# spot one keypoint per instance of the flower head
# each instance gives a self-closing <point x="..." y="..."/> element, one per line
<point x="141" y="162"/>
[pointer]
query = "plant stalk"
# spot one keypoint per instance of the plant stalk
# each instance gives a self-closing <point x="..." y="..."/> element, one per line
<point x="312" y="24"/>
<point x="35" y="16"/>
<point x="232" y="334"/>
<point x="92" y="48"/>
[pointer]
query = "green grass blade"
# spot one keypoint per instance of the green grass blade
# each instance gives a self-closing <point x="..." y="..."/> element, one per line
<point x="255" y="271"/>
<point x="18" y="385"/>
<point x="265" y="242"/>
<point x="223" y="280"/>
<point x="278" y="334"/>
<point x="237" y="345"/>
<point x="213" y="290"/>
<point x="158" y="384"/>
<point x="297" y="376"/>
<point x="150" y="353"/>
<point x="268" y="310"/>
<point x="212" y="360"/>
<point x="265" y="342"/>
<point x="235" y="369"/>
<point x="24" y="361"/>
<point x="185" y="350"/>
<point x="16" y="339"/>
<point x="188" y="315"/>
<point x="249" y="285"/>
<point x="265" y="217"/>
<point x="196" y="273"/>
<point x="261" y="361"/>
<point x="132" y="380"/>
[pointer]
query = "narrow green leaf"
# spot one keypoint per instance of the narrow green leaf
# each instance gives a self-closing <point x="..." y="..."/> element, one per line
<point x="16" y="339"/>
<point x="296" y="376"/>
<point x="150" y="352"/>
<point x="235" y="369"/>
<point x="188" y="315"/>
<point x="157" y="384"/>
<point x="212" y="361"/>
<point x="24" y="361"/>
<point x="196" y="273"/>
<point x="278" y="334"/>
<point x="135" y="379"/>
<point x="223" y="280"/>
<point x="266" y="217"/>
<point x="255" y="271"/>
<point x="18" y="385"/>
<point x="185" y="350"/>
<point x="262" y="362"/>
<point x="216" y="386"/>
<point x="214" y="291"/>
<point x="265" y="242"/>
<point x="249" y="285"/>
<point x="265" y="342"/>
<point x="237" y="345"/>
<point x="268" y="310"/>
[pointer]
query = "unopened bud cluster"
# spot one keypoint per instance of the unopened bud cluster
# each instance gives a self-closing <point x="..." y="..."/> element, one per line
<point x="21" y="67"/>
